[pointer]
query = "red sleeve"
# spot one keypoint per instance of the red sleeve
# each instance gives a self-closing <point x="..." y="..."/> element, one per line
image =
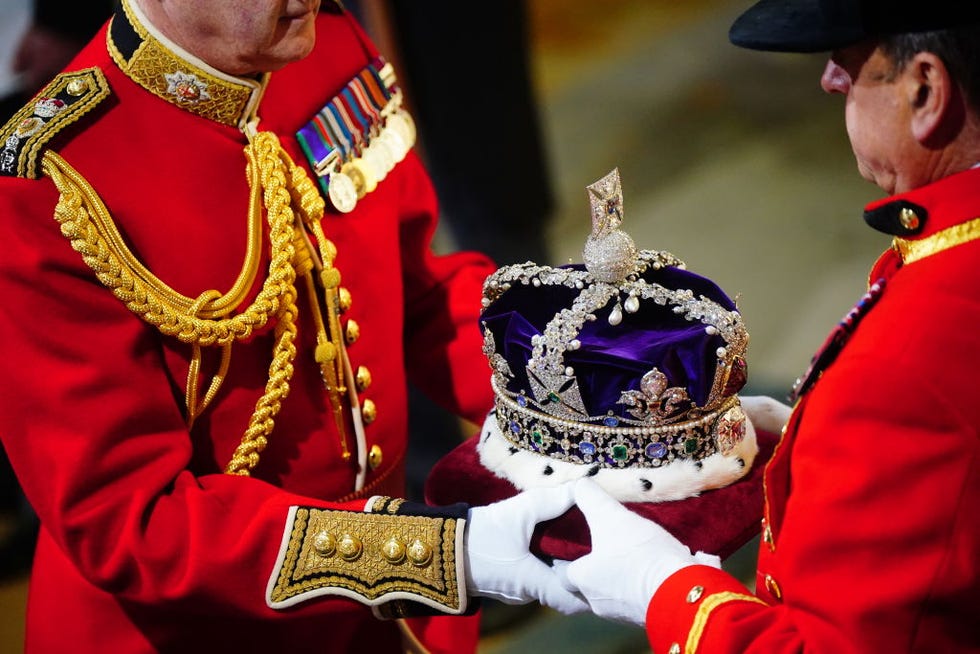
<point x="682" y="608"/>
<point x="444" y="345"/>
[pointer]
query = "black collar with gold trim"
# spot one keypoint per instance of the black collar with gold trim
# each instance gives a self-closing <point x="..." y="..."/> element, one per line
<point x="930" y="219"/>
<point x="165" y="69"/>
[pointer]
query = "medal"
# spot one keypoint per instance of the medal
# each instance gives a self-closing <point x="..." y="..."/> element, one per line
<point x="403" y="125"/>
<point x="394" y="143"/>
<point x="360" y="173"/>
<point x="358" y="137"/>
<point x="380" y="158"/>
<point x="342" y="192"/>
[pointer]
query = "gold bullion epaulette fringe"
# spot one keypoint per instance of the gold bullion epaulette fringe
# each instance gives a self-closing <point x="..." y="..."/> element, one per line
<point x="67" y="98"/>
<point x="373" y="558"/>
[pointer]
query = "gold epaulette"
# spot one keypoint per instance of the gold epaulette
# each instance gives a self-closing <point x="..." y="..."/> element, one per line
<point x="399" y="561"/>
<point x="59" y="104"/>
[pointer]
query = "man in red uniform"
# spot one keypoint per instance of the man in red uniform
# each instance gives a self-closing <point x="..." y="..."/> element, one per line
<point x="870" y="541"/>
<point x="206" y="361"/>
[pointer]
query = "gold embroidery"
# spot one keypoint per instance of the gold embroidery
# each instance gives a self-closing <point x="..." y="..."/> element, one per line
<point x="912" y="251"/>
<point x="379" y="504"/>
<point x="710" y="603"/>
<point x="371" y="575"/>
<point x="167" y="75"/>
<point x="59" y="104"/>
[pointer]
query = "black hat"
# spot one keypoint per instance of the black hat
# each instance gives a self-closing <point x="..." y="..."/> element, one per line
<point x="822" y="25"/>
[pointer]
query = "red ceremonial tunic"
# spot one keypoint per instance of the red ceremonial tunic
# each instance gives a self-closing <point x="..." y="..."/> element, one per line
<point x="871" y="541"/>
<point x="145" y="544"/>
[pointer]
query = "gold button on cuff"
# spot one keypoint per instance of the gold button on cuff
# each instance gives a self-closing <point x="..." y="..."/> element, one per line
<point x="773" y="587"/>
<point x="393" y="550"/>
<point x="419" y="553"/>
<point x="324" y="543"/>
<point x="344" y="299"/>
<point x="908" y="218"/>
<point x="352" y="332"/>
<point x="674" y="649"/>
<point x="368" y="411"/>
<point x="695" y="594"/>
<point x="349" y="547"/>
<point x="76" y="87"/>
<point x="362" y="378"/>
<point x="375" y="455"/>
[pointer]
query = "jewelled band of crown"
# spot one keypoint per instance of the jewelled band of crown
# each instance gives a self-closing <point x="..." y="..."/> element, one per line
<point x="590" y="443"/>
<point x="614" y="268"/>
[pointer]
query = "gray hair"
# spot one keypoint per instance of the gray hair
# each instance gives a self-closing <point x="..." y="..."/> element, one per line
<point x="958" y="48"/>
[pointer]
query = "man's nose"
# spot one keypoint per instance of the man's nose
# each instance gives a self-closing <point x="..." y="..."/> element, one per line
<point x="835" y="79"/>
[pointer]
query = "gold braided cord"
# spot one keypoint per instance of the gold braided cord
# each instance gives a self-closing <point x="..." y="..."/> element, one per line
<point x="86" y="222"/>
<point x="255" y="438"/>
<point x="330" y="337"/>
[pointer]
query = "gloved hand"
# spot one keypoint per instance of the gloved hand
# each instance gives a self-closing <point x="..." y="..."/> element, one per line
<point x="499" y="563"/>
<point x="630" y="558"/>
<point x="765" y="413"/>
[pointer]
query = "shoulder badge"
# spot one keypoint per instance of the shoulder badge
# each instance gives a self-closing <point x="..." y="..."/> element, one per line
<point x="62" y="102"/>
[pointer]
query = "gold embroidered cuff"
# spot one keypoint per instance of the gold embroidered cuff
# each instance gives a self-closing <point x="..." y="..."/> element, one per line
<point x="373" y="558"/>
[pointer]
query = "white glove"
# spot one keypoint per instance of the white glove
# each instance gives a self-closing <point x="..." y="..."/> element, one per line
<point x="499" y="563"/>
<point x="630" y="558"/>
<point x="765" y="413"/>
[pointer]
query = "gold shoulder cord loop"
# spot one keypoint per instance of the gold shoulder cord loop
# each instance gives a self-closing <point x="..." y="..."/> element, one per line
<point x="201" y="321"/>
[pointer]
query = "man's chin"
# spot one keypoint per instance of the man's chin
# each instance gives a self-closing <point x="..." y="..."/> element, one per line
<point x="284" y="54"/>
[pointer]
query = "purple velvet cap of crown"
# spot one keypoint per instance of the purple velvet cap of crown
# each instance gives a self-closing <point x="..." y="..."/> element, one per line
<point x="614" y="358"/>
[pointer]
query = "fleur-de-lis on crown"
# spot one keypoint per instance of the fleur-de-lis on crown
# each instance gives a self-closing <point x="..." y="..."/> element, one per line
<point x="655" y="401"/>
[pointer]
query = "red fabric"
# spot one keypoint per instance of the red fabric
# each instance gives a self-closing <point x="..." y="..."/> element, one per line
<point x="145" y="545"/>
<point x="872" y="494"/>
<point x="446" y="635"/>
<point x="671" y="606"/>
<point x="718" y="521"/>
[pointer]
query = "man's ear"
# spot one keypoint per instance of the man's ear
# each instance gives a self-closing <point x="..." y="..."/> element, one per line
<point x="931" y="94"/>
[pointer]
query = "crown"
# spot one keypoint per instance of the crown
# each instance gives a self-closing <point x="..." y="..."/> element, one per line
<point x="627" y="362"/>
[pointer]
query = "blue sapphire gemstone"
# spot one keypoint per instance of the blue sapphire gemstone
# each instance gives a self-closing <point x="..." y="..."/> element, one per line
<point x="656" y="450"/>
<point x="515" y="427"/>
<point x="522" y="400"/>
<point x="587" y="448"/>
<point x="610" y="421"/>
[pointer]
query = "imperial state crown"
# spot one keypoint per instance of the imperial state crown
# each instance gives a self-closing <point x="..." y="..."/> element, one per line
<point x="625" y="368"/>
